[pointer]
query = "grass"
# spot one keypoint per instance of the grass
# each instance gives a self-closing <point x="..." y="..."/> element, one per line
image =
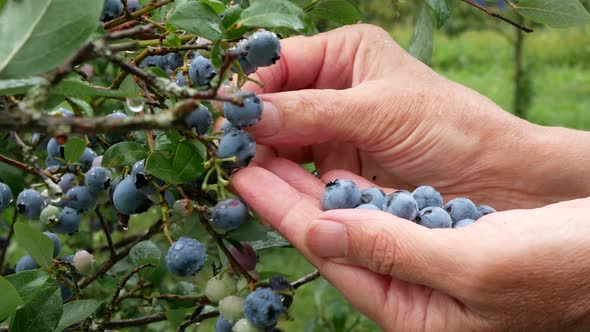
<point x="481" y="60"/>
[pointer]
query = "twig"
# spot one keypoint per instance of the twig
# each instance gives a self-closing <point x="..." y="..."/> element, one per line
<point x="107" y="234"/>
<point x="27" y="168"/>
<point x="134" y="15"/>
<point x="111" y="306"/>
<point x="187" y="322"/>
<point x="123" y="323"/>
<point x="8" y="238"/>
<point x="496" y="15"/>
<point x="305" y="279"/>
<point x="155" y="228"/>
<point x="119" y="244"/>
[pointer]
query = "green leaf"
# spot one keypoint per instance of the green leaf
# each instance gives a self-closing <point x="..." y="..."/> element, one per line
<point x="166" y="142"/>
<point x="145" y="252"/>
<point x="197" y="18"/>
<point x="184" y="166"/>
<point x="19" y="86"/>
<point x="76" y="311"/>
<point x="276" y="14"/>
<point x="75" y="88"/>
<point x="272" y="240"/>
<point x="28" y="283"/>
<point x="39" y="246"/>
<point x="441" y="11"/>
<point x="554" y="13"/>
<point x="41" y="314"/>
<point x="10" y="299"/>
<point x="123" y="154"/>
<point x="339" y="11"/>
<point x="423" y="39"/>
<point x="80" y="106"/>
<point x="73" y="149"/>
<point x="173" y="40"/>
<point x="249" y="231"/>
<point x="176" y="317"/>
<point x="218" y="6"/>
<point x="38" y="35"/>
<point x="157" y="71"/>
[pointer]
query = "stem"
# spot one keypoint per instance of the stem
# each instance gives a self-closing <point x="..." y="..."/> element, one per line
<point x="305" y="279"/>
<point x="107" y="234"/>
<point x="124" y="19"/>
<point x="496" y="15"/>
<point x="27" y="168"/>
<point x="8" y="238"/>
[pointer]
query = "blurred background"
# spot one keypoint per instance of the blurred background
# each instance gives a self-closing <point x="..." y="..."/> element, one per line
<point x="543" y="76"/>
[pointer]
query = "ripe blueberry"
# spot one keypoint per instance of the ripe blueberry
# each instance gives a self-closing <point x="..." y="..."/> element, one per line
<point x="98" y="179"/>
<point x="229" y="214"/>
<point x="128" y="199"/>
<point x="401" y="204"/>
<point x="54" y="149"/>
<point x="368" y="207"/>
<point x="111" y="10"/>
<point x="463" y="223"/>
<point x="244" y="116"/>
<point x="199" y="119"/>
<point x="201" y="71"/>
<point x="427" y="196"/>
<point x="30" y="203"/>
<point x="237" y="143"/>
<point x="56" y="243"/>
<point x="67" y="182"/>
<point x="462" y="208"/>
<point x="374" y="196"/>
<point x="264" y="49"/>
<point x="80" y="199"/>
<point x="485" y="210"/>
<point x="86" y="159"/>
<point x="222" y="325"/>
<point x="69" y="221"/>
<point x="180" y="79"/>
<point x="173" y="61"/>
<point x="341" y="194"/>
<point x="434" y="217"/>
<point x="186" y="257"/>
<point x="5" y="196"/>
<point x="263" y="307"/>
<point x="26" y="263"/>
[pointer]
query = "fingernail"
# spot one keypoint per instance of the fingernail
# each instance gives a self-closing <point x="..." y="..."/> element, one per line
<point x="269" y="125"/>
<point x="327" y="239"/>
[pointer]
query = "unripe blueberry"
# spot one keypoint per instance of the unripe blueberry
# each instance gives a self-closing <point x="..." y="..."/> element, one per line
<point x="246" y="258"/>
<point x="263" y="307"/>
<point x="83" y="262"/>
<point x="98" y="179"/>
<point x="69" y="221"/>
<point x="26" y="263"/>
<point x="244" y="325"/>
<point x="341" y="194"/>
<point x="56" y="243"/>
<point x="229" y="214"/>
<point x="434" y="217"/>
<point x="462" y="208"/>
<point x="50" y="215"/>
<point x="30" y="203"/>
<point x="244" y="116"/>
<point x="220" y="287"/>
<point x="80" y="199"/>
<point x="427" y="196"/>
<point x="186" y="257"/>
<point x="5" y="196"/>
<point x="232" y="308"/>
<point x="201" y="71"/>
<point x="199" y="119"/>
<point x="402" y="205"/>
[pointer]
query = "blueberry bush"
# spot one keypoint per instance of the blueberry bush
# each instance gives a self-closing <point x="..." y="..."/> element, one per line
<point x="121" y="122"/>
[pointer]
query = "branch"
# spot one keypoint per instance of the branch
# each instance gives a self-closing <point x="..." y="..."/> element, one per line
<point x="8" y="238"/>
<point x="135" y="15"/>
<point x="123" y="323"/>
<point x="496" y="15"/>
<point x="27" y="168"/>
<point x="306" y="279"/>
<point x="155" y="228"/>
<point x="107" y="234"/>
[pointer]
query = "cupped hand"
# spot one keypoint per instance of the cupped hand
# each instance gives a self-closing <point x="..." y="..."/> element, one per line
<point x="353" y="99"/>
<point x="519" y="270"/>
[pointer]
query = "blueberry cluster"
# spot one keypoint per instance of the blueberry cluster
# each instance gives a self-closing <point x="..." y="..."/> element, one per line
<point x="114" y="8"/>
<point x="424" y="205"/>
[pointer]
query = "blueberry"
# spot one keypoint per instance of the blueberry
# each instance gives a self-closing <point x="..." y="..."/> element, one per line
<point x="115" y="138"/>
<point x="133" y="5"/>
<point x="264" y="49"/>
<point x="463" y="223"/>
<point x="67" y="182"/>
<point x="128" y="199"/>
<point x="227" y="127"/>
<point x="232" y="308"/>
<point x="229" y="214"/>
<point x="98" y="179"/>
<point x="341" y="194"/>
<point x="186" y="257"/>
<point x="485" y="210"/>
<point x="462" y="208"/>
<point x="237" y="143"/>
<point x="69" y="221"/>
<point x="263" y="307"/>
<point x="201" y="71"/>
<point x="244" y="325"/>
<point x="56" y="243"/>
<point x="244" y="116"/>
<point x="401" y="204"/>
<point x="138" y="168"/>
<point x="87" y="158"/>
<point x="26" y="263"/>
<point x="368" y="207"/>
<point x="53" y="164"/>
<point x="374" y="196"/>
<point x="222" y="325"/>
<point x="80" y="199"/>
<point x="427" y="196"/>
<point x="154" y="61"/>
<point x="66" y="291"/>
<point x="30" y="203"/>
<point x="245" y="65"/>
<point x="219" y="288"/>
<point x="54" y="149"/>
<point x="247" y="258"/>
<point x="279" y="283"/>
<point x="199" y="119"/>
<point x="173" y="61"/>
<point x="180" y="79"/>
<point x="140" y="179"/>
<point x="114" y="185"/>
<point x="111" y="10"/>
<point x="434" y="217"/>
<point x="5" y="196"/>
<point x="83" y="262"/>
<point x="50" y="215"/>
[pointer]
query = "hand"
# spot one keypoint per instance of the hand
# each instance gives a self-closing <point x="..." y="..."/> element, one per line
<point x="353" y="99"/>
<point x="520" y="270"/>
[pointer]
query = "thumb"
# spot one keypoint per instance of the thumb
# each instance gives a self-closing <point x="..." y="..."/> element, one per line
<point x="390" y="246"/>
<point x="306" y="117"/>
